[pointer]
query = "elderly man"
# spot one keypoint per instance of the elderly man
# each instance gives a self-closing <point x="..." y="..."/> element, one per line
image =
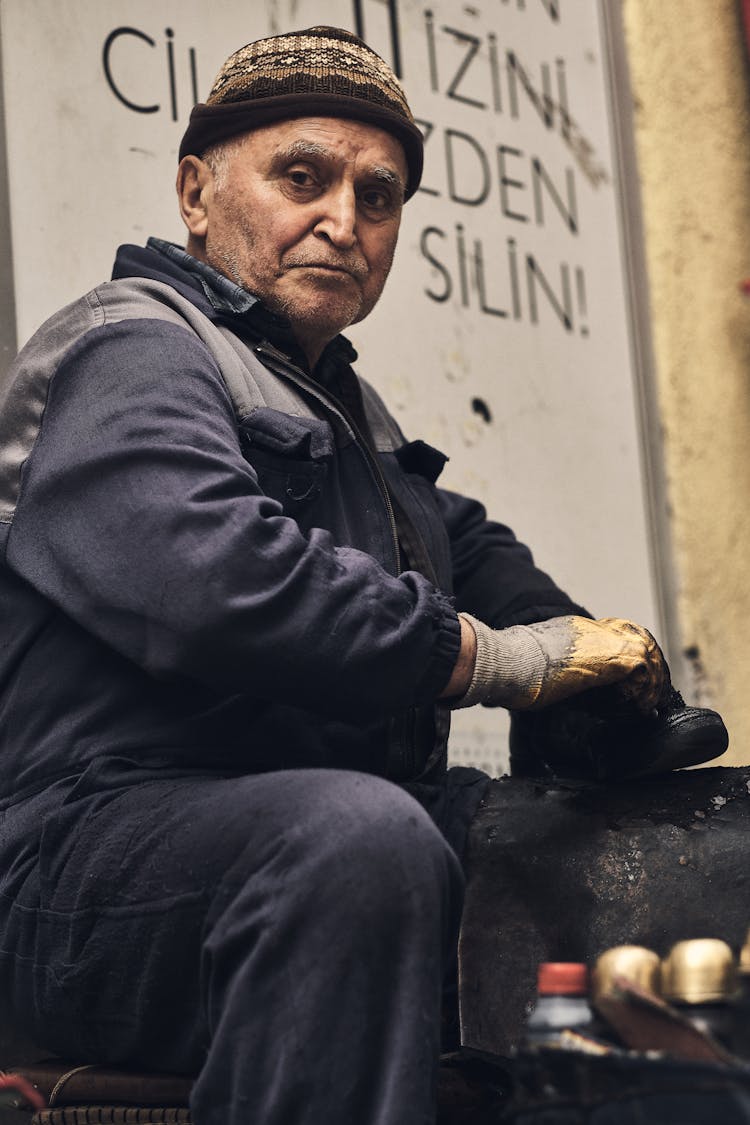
<point x="229" y="840"/>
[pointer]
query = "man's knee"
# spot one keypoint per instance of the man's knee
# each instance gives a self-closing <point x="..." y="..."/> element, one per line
<point x="379" y="839"/>
<point x="349" y="844"/>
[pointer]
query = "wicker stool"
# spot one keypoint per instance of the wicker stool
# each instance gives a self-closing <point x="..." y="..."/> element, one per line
<point x="471" y="1090"/>
<point x="110" y="1115"/>
<point x="98" y="1095"/>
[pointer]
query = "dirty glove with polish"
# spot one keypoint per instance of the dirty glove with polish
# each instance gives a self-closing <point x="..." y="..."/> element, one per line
<point x="532" y="666"/>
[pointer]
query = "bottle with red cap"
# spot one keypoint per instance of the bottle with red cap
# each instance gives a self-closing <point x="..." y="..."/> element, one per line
<point x="562" y="1003"/>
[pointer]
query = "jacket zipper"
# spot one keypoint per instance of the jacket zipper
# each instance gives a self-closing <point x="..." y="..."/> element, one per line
<point x="282" y="367"/>
<point x="402" y="728"/>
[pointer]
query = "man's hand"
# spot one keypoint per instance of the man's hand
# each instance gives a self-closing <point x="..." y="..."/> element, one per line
<point x="531" y="666"/>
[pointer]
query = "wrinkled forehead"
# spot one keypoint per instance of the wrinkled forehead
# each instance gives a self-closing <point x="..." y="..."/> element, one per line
<point x="337" y="141"/>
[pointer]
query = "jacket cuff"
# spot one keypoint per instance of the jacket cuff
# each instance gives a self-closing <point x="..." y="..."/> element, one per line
<point x="447" y="645"/>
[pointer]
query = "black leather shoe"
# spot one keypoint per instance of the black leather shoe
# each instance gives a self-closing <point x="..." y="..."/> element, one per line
<point x="596" y="736"/>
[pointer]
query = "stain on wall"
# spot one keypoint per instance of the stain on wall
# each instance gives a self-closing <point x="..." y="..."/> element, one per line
<point x="692" y="116"/>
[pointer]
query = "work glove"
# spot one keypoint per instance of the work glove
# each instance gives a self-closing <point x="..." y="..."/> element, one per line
<point x="532" y="666"/>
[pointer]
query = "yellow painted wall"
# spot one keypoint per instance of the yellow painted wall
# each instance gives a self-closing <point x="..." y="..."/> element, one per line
<point x="690" y="85"/>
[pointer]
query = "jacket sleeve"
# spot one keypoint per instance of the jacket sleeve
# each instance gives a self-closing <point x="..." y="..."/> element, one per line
<point x="140" y="519"/>
<point x="494" y="576"/>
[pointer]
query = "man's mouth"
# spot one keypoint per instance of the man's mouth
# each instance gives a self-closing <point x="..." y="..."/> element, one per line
<point x="331" y="267"/>
<point x="327" y="267"/>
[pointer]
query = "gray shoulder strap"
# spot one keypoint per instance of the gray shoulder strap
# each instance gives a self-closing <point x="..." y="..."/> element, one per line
<point x="249" y="382"/>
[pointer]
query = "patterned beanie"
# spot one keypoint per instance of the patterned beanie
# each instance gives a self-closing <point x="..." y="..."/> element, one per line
<point x="323" y="72"/>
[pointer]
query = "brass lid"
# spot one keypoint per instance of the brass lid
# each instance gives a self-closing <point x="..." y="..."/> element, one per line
<point x="699" y="971"/>
<point x="744" y="965"/>
<point x="634" y="962"/>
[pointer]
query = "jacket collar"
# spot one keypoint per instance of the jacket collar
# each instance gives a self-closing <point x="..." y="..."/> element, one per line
<point x="225" y="302"/>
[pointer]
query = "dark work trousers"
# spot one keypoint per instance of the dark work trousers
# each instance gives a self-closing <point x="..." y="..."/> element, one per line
<point x="284" y="936"/>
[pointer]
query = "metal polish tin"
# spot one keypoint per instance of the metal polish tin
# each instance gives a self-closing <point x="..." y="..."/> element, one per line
<point x="701" y="971"/>
<point x="744" y="963"/>
<point x="635" y="963"/>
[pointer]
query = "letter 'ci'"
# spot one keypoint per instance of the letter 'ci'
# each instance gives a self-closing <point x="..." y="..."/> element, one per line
<point x="117" y="34"/>
<point x="114" y="35"/>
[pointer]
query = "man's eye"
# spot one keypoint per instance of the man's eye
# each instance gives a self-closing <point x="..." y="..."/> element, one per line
<point x="301" y="178"/>
<point x="376" y="199"/>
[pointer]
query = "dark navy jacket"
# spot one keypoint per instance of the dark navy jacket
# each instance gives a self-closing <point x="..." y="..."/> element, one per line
<point x="211" y="561"/>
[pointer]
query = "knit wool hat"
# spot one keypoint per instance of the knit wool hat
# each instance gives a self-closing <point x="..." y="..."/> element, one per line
<point x="323" y="72"/>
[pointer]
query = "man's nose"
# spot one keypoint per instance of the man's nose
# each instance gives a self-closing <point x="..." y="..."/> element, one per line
<point x="338" y="218"/>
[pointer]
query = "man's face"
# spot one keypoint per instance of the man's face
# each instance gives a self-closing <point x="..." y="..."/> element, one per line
<point x="305" y="215"/>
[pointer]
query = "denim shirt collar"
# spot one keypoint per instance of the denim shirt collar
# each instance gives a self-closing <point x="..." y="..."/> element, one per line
<point x="224" y="295"/>
<point x="229" y="298"/>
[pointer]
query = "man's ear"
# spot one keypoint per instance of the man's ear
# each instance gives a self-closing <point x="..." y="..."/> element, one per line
<point x="194" y="180"/>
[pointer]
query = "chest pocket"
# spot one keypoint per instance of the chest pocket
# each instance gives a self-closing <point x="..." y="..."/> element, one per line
<point x="291" y="456"/>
